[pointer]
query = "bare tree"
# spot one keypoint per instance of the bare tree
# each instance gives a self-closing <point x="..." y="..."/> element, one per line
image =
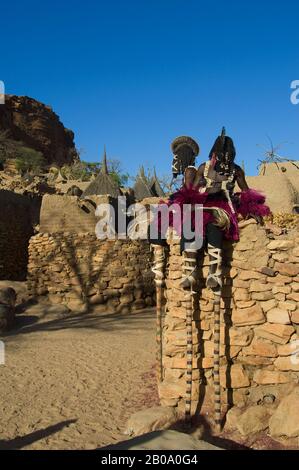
<point x="272" y="156"/>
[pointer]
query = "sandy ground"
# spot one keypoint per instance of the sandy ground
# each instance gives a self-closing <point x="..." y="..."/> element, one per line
<point x="72" y="382"/>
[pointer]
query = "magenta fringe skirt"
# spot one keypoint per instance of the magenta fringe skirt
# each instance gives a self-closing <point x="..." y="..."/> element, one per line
<point x="246" y="203"/>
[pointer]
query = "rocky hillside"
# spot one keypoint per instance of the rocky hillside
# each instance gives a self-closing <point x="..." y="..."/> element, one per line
<point x="39" y="128"/>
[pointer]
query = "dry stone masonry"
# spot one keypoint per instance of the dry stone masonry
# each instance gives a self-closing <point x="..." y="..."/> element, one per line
<point x="78" y="270"/>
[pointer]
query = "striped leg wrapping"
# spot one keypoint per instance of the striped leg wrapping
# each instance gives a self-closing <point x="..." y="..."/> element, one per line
<point x="217" y="389"/>
<point x="159" y="271"/>
<point x="187" y="283"/>
<point x="189" y="354"/>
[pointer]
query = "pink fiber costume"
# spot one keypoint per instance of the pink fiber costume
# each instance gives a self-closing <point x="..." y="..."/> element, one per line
<point x="247" y="203"/>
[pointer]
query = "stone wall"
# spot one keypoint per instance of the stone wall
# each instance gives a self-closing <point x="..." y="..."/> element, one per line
<point x="18" y="214"/>
<point x="78" y="270"/>
<point x="259" y="316"/>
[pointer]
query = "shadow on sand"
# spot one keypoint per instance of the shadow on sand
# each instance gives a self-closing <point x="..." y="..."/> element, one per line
<point x="22" y="441"/>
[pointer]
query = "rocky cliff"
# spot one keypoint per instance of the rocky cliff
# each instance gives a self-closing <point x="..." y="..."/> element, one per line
<point x="36" y="125"/>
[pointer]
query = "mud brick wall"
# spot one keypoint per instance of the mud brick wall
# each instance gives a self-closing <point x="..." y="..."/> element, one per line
<point x="78" y="270"/>
<point x="259" y="322"/>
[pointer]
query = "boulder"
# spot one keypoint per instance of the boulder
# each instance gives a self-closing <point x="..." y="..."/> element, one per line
<point x="285" y="420"/>
<point x="7" y="317"/>
<point x="232" y="417"/>
<point x="8" y="298"/>
<point x="253" y="420"/>
<point x="163" y="440"/>
<point x="151" y="419"/>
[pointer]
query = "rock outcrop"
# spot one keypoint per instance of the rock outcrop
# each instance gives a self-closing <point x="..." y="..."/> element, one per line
<point x="39" y="128"/>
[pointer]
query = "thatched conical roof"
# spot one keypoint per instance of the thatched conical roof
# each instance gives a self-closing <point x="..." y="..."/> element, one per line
<point x="104" y="163"/>
<point x="103" y="184"/>
<point x="155" y="186"/>
<point x="142" y="187"/>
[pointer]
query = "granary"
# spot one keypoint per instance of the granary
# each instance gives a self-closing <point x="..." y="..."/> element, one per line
<point x="280" y="183"/>
<point x="103" y="184"/>
<point x="142" y="187"/>
<point x="155" y="186"/>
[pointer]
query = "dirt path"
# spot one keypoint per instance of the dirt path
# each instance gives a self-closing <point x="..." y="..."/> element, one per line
<point x="71" y="382"/>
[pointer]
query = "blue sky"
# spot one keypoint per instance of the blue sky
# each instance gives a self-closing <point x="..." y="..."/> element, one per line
<point x="135" y="74"/>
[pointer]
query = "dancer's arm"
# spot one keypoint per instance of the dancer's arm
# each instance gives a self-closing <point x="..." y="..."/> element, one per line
<point x="199" y="177"/>
<point x="241" y="180"/>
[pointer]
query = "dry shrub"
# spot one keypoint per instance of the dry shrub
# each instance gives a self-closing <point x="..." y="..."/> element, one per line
<point x="284" y="220"/>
